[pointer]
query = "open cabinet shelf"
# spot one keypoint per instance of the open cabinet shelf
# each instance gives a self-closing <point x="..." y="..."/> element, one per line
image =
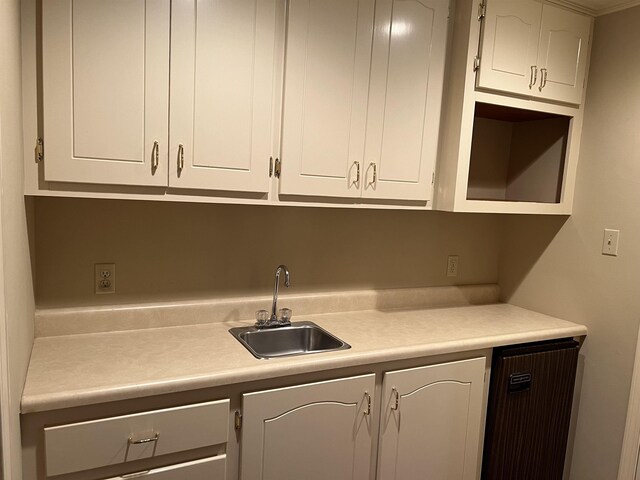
<point x="517" y="155"/>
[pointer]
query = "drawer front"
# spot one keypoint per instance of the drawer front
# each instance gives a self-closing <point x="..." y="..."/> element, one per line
<point x="206" y="469"/>
<point x="110" y="441"/>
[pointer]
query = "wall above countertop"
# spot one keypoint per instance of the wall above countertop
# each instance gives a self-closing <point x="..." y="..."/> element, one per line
<point x="168" y="252"/>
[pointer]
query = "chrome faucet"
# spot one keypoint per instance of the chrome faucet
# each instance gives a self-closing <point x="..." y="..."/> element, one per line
<point x="287" y="283"/>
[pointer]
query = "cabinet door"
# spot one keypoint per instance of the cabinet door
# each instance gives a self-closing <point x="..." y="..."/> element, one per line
<point x="222" y="94"/>
<point x="563" y="52"/>
<point x="405" y="97"/>
<point x="106" y="91"/>
<point x="325" y="97"/>
<point x="317" y="431"/>
<point x="431" y="422"/>
<point x="510" y="45"/>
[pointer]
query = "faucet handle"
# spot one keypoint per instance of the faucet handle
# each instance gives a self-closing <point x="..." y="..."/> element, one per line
<point x="284" y="316"/>
<point x="262" y="318"/>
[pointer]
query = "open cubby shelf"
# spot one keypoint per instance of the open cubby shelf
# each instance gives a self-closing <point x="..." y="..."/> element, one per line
<point x="517" y="155"/>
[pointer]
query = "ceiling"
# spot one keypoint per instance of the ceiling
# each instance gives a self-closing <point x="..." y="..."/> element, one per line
<point x="598" y="7"/>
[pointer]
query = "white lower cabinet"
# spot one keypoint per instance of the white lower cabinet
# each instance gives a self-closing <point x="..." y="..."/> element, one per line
<point x="213" y="468"/>
<point x="112" y="441"/>
<point x="431" y="422"/>
<point x="430" y="427"/>
<point x="317" y="431"/>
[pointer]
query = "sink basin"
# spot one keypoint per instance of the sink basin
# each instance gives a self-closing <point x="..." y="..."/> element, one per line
<point x="301" y="338"/>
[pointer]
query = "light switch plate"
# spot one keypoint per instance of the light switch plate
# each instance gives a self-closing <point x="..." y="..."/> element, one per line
<point x="610" y="242"/>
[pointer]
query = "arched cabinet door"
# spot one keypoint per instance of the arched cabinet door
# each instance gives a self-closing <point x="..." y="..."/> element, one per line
<point x="563" y="54"/>
<point x="431" y="422"/>
<point x="509" y="52"/>
<point x="317" y="431"/>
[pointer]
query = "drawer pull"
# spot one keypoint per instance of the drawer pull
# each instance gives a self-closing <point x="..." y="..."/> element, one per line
<point x="144" y="440"/>
<point x="136" y="474"/>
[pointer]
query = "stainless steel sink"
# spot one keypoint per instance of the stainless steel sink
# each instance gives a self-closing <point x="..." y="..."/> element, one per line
<point x="301" y="338"/>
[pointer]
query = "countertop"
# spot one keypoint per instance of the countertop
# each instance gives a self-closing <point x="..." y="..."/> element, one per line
<point x="77" y="370"/>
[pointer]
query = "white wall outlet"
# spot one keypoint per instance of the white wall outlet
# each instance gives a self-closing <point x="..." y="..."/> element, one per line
<point x="452" y="265"/>
<point x="105" y="278"/>
<point x="610" y="242"/>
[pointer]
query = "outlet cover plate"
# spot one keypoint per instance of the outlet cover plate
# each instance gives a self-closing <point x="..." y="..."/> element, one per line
<point x="452" y="265"/>
<point x="105" y="278"/>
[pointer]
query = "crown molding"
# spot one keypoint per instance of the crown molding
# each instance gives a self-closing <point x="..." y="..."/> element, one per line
<point x="576" y="7"/>
<point x="595" y="12"/>
<point x="618" y="7"/>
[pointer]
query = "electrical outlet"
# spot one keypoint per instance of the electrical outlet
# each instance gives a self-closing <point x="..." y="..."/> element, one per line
<point x="452" y="265"/>
<point x="105" y="278"/>
<point x="610" y="242"/>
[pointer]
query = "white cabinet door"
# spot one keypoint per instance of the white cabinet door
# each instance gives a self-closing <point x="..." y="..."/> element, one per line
<point x="222" y="94"/>
<point x="431" y="422"/>
<point x="510" y="45"/>
<point x="106" y="91"/>
<point x="562" y="54"/>
<point x="405" y="98"/>
<point x="317" y="431"/>
<point x="325" y="96"/>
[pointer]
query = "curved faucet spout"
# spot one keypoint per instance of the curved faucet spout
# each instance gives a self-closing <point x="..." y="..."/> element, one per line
<point x="287" y="283"/>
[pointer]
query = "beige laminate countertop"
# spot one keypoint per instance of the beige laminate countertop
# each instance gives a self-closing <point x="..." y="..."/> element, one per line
<point x="76" y="370"/>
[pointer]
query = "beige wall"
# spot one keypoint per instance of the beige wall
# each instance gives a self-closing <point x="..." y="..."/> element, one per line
<point x="557" y="268"/>
<point x="16" y="268"/>
<point x="165" y="251"/>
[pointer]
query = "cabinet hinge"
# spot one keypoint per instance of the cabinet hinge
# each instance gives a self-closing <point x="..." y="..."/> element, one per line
<point x="39" y="150"/>
<point x="270" y="167"/>
<point x="237" y="423"/>
<point x="476" y="63"/>
<point x="277" y="169"/>
<point x="482" y="11"/>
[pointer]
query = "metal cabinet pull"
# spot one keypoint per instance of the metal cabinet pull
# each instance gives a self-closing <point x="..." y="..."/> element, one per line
<point x="394" y="391"/>
<point x="180" y="157"/>
<point x="375" y="173"/>
<point x="543" y="78"/>
<point x="144" y="440"/>
<point x="155" y="156"/>
<point x="136" y="474"/>
<point x="368" y="397"/>
<point x="357" y="164"/>
<point x="534" y="76"/>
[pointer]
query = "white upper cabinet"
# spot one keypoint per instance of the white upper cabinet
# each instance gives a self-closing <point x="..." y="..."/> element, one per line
<point x="510" y="45"/>
<point x="362" y="120"/>
<point x="534" y="50"/>
<point x="562" y="55"/>
<point x="405" y="98"/>
<point x="222" y="94"/>
<point x="431" y="422"/>
<point x="106" y="91"/>
<point x="328" y="56"/>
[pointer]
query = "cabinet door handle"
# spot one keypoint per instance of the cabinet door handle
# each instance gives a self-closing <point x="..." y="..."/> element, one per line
<point x="180" y="157"/>
<point x="534" y="76"/>
<point x="357" y="164"/>
<point x="375" y="173"/>
<point x="543" y="78"/>
<point x="368" y="400"/>
<point x="396" y="404"/>
<point x="155" y="156"/>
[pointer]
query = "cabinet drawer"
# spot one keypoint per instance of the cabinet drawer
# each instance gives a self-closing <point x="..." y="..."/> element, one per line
<point x="110" y="441"/>
<point x="206" y="469"/>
